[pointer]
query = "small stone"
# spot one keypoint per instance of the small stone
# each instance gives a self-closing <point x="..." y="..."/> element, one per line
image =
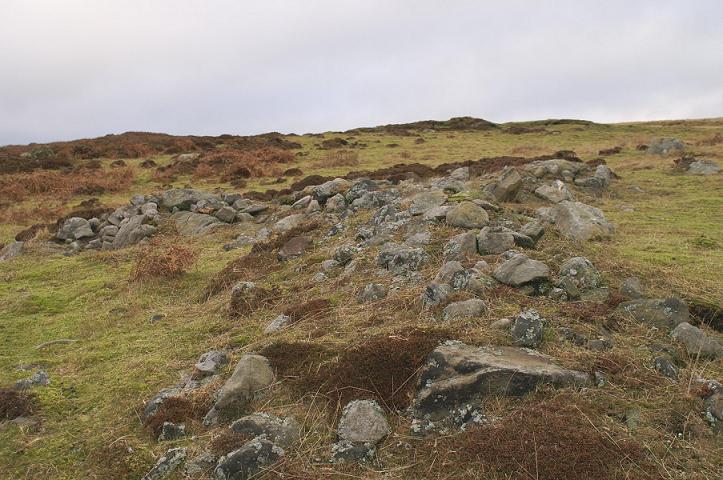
<point x="226" y="214"/>
<point x="372" y="292"/>
<point x="555" y="193"/>
<point x="527" y="329"/>
<point x="401" y="259"/>
<point x="345" y="253"/>
<point x="210" y="362"/>
<point x="329" y="264"/>
<point x="664" y="364"/>
<point x="632" y="288"/>
<point x="165" y="465"/>
<point x="363" y="421"/>
<point x="435" y="294"/>
<point x="281" y="431"/>
<point x="582" y="273"/>
<point x="11" y="250"/>
<point x="245" y="462"/>
<point x="461" y="247"/>
<point x="278" y="323"/>
<point x="424" y="201"/>
<point x="467" y="215"/>
<point x="464" y="309"/>
<point x="494" y="240"/>
<point x="336" y="204"/>
<point x="697" y="342"/>
<point x="501" y="324"/>
<point x="520" y="270"/>
<point x="419" y="239"/>
<point x="38" y="379"/>
<point x="171" y="431"/>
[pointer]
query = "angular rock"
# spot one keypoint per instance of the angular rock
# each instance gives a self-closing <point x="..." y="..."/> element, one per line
<point x="703" y="167"/>
<point x="336" y="204"/>
<point x="302" y="203"/>
<point x="697" y="342"/>
<point x="75" y="228"/>
<point x="631" y="288"/>
<point x="535" y="230"/>
<point x="191" y="224"/>
<point x="359" y="188"/>
<point x="436" y="214"/>
<point x="278" y="323"/>
<point x="210" y="362"/>
<point x="461" y="247"/>
<point x="456" y="374"/>
<point x="435" y="294"/>
<point x="363" y="421"/>
<point x="133" y="231"/>
<point x="183" y="198"/>
<point x="252" y="374"/>
<point x="464" y="309"/>
<point x="294" y="247"/>
<point x="281" y="431"/>
<point x="245" y="462"/>
<point x="427" y="200"/>
<point x="165" y="465"/>
<point x="664" y="146"/>
<point x="527" y="328"/>
<point x="287" y="223"/>
<point x="467" y="215"/>
<point x="329" y="189"/>
<point x="659" y="312"/>
<point x="38" y="379"/>
<point x="11" y="250"/>
<point x="346" y="451"/>
<point x="580" y="222"/>
<point x="371" y="292"/>
<point x="554" y="193"/>
<point x="506" y="187"/>
<point x="345" y="253"/>
<point x="495" y="240"/>
<point x="666" y="367"/>
<point x="419" y="239"/>
<point x="520" y="270"/>
<point x="581" y="272"/>
<point x="400" y="259"/>
<point x="226" y="214"/>
<point x="171" y="431"/>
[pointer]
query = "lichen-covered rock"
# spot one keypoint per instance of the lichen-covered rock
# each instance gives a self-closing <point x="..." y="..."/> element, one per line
<point x="703" y="167"/>
<point x="456" y="374"/>
<point x="171" y="431"/>
<point x="427" y="200"/>
<point x="192" y="224"/>
<point x="336" y="204"/>
<point x="329" y="189"/>
<point x="464" y="309"/>
<point x="664" y="146"/>
<point x="659" y="312"/>
<point x="280" y="322"/>
<point x="183" y="198"/>
<point x="363" y="421"/>
<point x="281" y="431"/>
<point x="75" y="228"/>
<point x="697" y="342"/>
<point x="494" y="240"/>
<point x="520" y="270"/>
<point x="467" y="215"/>
<point x="400" y="259"/>
<point x="461" y="247"/>
<point x="226" y="214"/>
<point x="435" y="294"/>
<point x="245" y="462"/>
<point x="371" y="292"/>
<point x="165" y="465"/>
<point x="631" y="288"/>
<point x="555" y="192"/>
<point x="252" y="375"/>
<point x="527" y="328"/>
<point x="210" y="362"/>
<point x="580" y="222"/>
<point x="581" y="272"/>
<point x="506" y="187"/>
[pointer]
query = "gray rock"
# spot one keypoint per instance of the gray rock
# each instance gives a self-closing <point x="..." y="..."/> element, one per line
<point x="375" y="199"/>
<point x="427" y="200"/>
<point x="191" y="224"/>
<point x="363" y="421"/>
<point x="703" y="167"/>
<point x="435" y="294"/>
<point x="659" y="312"/>
<point x="534" y="229"/>
<point x="278" y="323"/>
<point x="302" y="203"/>
<point x="436" y="214"/>
<point x="38" y="379"/>
<point x="506" y="187"/>
<point x="697" y="342"/>
<point x="294" y="247"/>
<point x="580" y="222"/>
<point x="387" y="213"/>
<point x="171" y="431"/>
<point x="360" y="188"/>
<point x="345" y="451"/>
<point x="450" y="273"/>
<point x="581" y="272"/>
<point x="251" y="376"/>
<point x="287" y="223"/>
<point x="461" y="247"/>
<point x="494" y="240"/>
<point x="527" y="328"/>
<point x="183" y="198"/>
<point x="133" y="231"/>
<point x="520" y="270"/>
<point x="461" y="174"/>
<point x="555" y="192"/>
<point x="336" y="204"/>
<point x="210" y="362"/>
<point x="714" y="406"/>
<point x="329" y="264"/>
<point x="11" y="250"/>
<point x="464" y="309"/>
<point x="226" y="214"/>
<point x="152" y="406"/>
<point x="331" y="188"/>
<point x="245" y="462"/>
<point x="664" y="146"/>
<point x="448" y="184"/>
<point x="165" y="465"/>
<point x="664" y="364"/>
<point x="313" y="207"/>
<point x="75" y="228"/>
<point x="345" y="253"/>
<point x="400" y="259"/>
<point x="631" y="288"/>
<point x="201" y="464"/>
<point x="456" y="374"/>
<point x="372" y="292"/>
<point x="281" y="431"/>
<point x="419" y="239"/>
<point x="467" y="215"/>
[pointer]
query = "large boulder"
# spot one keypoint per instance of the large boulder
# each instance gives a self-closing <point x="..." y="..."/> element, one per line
<point x="520" y="270"/>
<point x="245" y="462"/>
<point x="580" y="222"/>
<point x="401" y="258"/>
<point x="252" y="374"/>
<point x="183" y="198"/>
<point x="697" y="342"/>
<point x="191" y="224"/>
<point x="658" y="312"/>
<point x="467" y="215"/>
<point x="427" y="200"/>
<point x="456" y="375"/>
<point x="506" y="187"/>
<point x="132" y="231"/>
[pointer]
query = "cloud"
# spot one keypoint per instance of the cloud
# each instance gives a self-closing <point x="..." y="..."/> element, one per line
<point x="82" y="68"/>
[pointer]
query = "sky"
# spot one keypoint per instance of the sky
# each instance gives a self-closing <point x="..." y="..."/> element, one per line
<point x="84" y="68"/>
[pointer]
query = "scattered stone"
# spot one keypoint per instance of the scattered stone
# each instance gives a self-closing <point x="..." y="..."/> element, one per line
<point x="191" y="224"/>
<point x="336" y="204"/>
<point x="703" y="167"/>
<point x="38" y="379"/>
<point x="360" y="188"/>
<point x="372" y="292"/>
<point x="580" y="222"/>
<point x="461" y="247"/>
<point x="11" y="250"/>
<point x="659" y="312"/>
<point x="520" y="270"/>
<point x="329" y="189"/>
<point x="183" y="198"/>
<point x="171" y="431"/>
<point x="294" y="247"/>
<point x="453" y="274"/>
<point x="281" y="431"/>
<point x="467" y="215"/>
<point x="210" y="362"/>
<point x="226" y="214"/>
<point x="494" y="240"/>
<point x="506" y="187"/>
<point x="279" y="322"/>
<point x="363" y="421"/>
<point x="664" y="364"/>
<point x="631" y="288"/>
<point x="534" y="229"/>
<point x="436" y="214"/>
<point x="165" y="465"/>
<point x="424" y="201"/>
<point x="290" y="222"/>
<point x="464" y="309"/>
<point x="345" y="451"/>
<point x="581" y="272"/>
<point x="435" y="294"/>
<point x="527" y="328"/>
<point x="456" y="374"/>
<point x="419" y="239"/>
<point x="345" y="253"/>
<point x="75" y="228"/>
<point x="697" y="342"/>
<point x="400" y="259"/>
<point x="245" y="462"/>
<point x="313" y="207"/>
<point x="664" y="146"/>
<point x="302" y="203"/>
<point x="251" y="375"/>
<point x="555" y="193"/>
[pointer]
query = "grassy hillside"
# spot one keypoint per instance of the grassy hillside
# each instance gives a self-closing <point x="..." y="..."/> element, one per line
<point x="669" y="233"/>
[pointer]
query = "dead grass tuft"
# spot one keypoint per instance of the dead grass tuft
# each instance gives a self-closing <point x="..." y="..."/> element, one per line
<point x="228" y="441"/>
<point x="64" y="184"/>
<point x="15" y="404"/>
<point x="308" y="310"/>
<point x="167" y="262"/>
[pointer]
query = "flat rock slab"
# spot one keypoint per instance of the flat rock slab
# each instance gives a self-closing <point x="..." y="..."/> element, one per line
<point x="659" y="312"/>
<point x="520" y="270"/>
<point x="190" y="224"/>
<point x="456" y="374"/>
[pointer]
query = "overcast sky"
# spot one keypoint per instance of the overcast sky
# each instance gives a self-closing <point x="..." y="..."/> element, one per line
<point x="83" y="68"/>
